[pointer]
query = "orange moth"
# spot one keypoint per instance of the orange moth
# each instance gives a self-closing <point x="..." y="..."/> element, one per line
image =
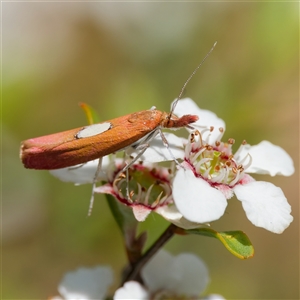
<point x="80" y="145"/>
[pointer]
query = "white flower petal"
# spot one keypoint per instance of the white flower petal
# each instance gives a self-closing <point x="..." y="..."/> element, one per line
<point x="86" y="283"/>
<point x="158" y="152"/>
<point x="184" y="274"/>
<point x="131" y="290"/>
<point x="193" y="277"/>
<point x="207" y="118"/>
<point x="171" y="214"/>
<point x="140" y="212"/>
<point x="83" y="173"/>
<point x="196" y="199"/>
<point x="155" y="273"/>
<point x="268" y="158"/>
<point x="265" y="205"/>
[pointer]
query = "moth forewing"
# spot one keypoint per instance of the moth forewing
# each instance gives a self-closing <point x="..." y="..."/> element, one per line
<point x="87" y="143"/>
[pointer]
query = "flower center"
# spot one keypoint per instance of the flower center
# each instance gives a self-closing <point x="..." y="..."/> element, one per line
<point x="145" y="186"/>
<point x="214" y="163"/>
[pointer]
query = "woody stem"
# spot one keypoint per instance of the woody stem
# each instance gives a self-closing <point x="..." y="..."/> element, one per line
<point x="135" y="270"/>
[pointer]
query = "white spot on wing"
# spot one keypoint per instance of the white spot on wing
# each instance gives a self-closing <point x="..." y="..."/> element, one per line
<point x="92" y="130"/>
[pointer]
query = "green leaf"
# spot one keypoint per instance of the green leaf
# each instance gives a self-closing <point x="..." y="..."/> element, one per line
<point x="123" y="215"/>
<point x="237" y="242"/>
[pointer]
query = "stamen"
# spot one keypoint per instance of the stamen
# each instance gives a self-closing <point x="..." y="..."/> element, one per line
<point x="198" y="139"/>
<point x="219" y="137"/>
<point x="195" y="157"/>
<point x="236" y="179"/>
<point x="155" y="203"/>
<point x="226" y="177"/>
<point x="131" y="194"/>
<point x="192" y="138"/>
<point x="122" y="175"/>
<point x="242" y="146"/>
<point x="117" y="182"/>
<point x="206" y="173"/>
<point x="139" y="193"/>
<point x="202" y="132"/>
<point x="201" y="162"/>
<point x="231" y="141"/>
<point x="219" y="177"/>
<point x="147" y="196"/>
<point x="166" y="188"/>
<point x="249" y="163"/>
<point x="187" y="149"/>
<point x="159" y="197"/>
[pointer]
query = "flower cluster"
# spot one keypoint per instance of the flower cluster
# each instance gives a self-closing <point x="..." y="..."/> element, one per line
<point x="189" y="194"/>
<point x="196" y="191"/>
<point x="165" y="277"/>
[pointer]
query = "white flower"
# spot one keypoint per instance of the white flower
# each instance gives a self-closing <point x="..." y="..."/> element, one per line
<point x="164" y="275"/>
<point x="150" y="187"/>
<point x="86" y="284"/>
<point x="211" y="174"/>
<point x="169" y="277"/>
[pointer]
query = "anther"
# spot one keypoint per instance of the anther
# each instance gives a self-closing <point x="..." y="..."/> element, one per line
<point x="228" y="163"/>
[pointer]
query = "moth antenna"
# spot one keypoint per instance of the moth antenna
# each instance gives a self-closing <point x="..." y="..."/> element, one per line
<point x="188" y="80"/>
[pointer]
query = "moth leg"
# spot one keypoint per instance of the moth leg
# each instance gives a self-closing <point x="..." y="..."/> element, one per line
<point x="142" y="147"/>
<point x="94" y="186"/>
<point x="166" y="144"/>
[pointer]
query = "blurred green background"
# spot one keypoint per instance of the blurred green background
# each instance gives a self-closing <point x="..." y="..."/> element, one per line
<point x="125" y="57"/>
